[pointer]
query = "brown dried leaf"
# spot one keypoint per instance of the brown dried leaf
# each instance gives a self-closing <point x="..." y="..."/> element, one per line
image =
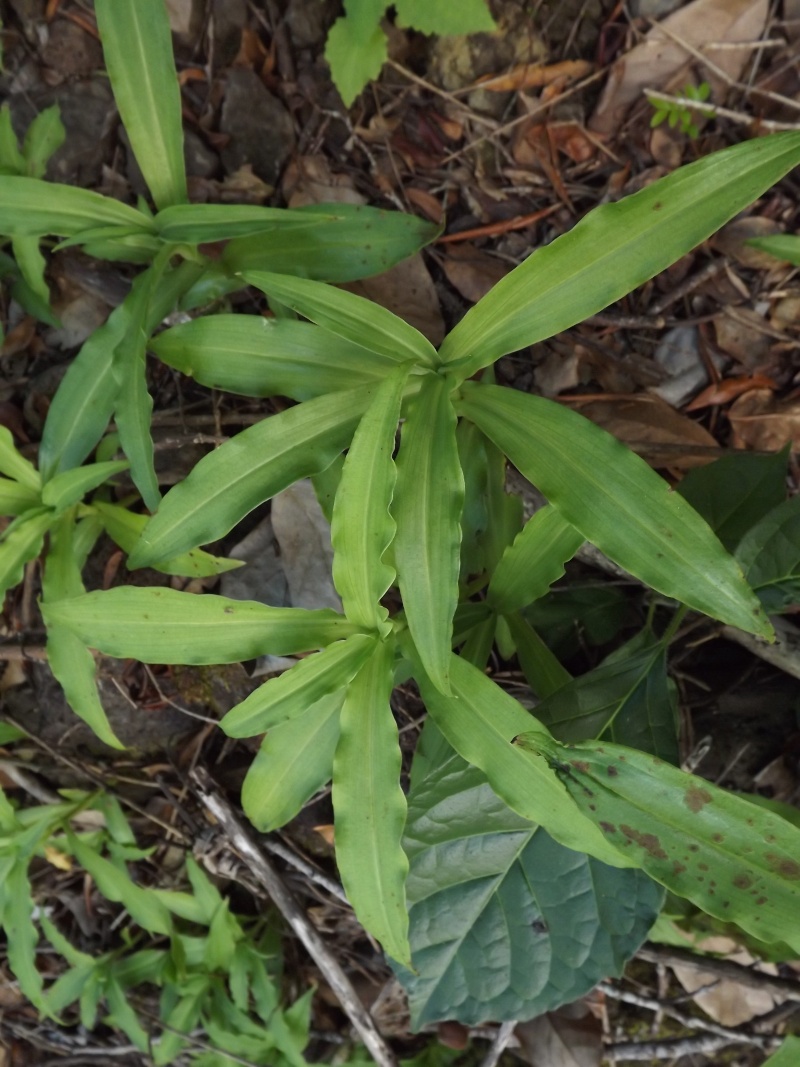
<point x="409" y="291"/>
<point x="728" y="389"/>
<point x="728" y="1003"/>
<point x="569" y="1037"/>
<point x="730" y="240"/>
<point x="653" y="429"/>
<point x="309" y="180"/>
<point x="761" y="422"/>
<point x="472" y="272"/>
<point x="534" y="75"/>
<point x="659" y="58"/>
<point x="741" y="333"/>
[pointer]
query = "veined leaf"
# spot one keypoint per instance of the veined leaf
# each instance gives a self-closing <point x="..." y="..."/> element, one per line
<point x="479" y="720"/>
<point x="15" y="465"/>
<point x="254" y="356"/>
<point x="137" y="46"/>
<point x="615" y="248"/>
<point x="736" y="861"/>
<point x="427" y="509"/>
<point x="84" y="402"/>
<point x="69" y="487"/>
<point x="362" y="527"/>
<point x="203" y="223"/>
<point x="735" y="492"/>
<point x="770" y="556"/>
<point x="125" y="528"/>
<point x="294" y="761"/>
<point x="21" y="543"/>
<point x="504" y="922"/>
<point x="247" y="470"/>
<point x="294" y="691"/>
<point x="369" y="806"/>
<point x="349" y="316"/>
<point x="536" y="559"/>
<point x="616" y="501"/>
<point x="165" y="626"/>
<point x="471" y="16"/>
<point x="356" y="47"/>
<point x="16" y="498"/>
<point x="32" y="207"/>
<point x="353" y="241"/>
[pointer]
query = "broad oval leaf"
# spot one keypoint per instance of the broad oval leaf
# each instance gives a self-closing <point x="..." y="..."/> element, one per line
<point x="427" y="509"/>
<point x="309" y="681"/>
<point x="349" y="316"/>
<point x="247" y="470"/>
<point x="534" y="561"/>
<point x="479" y="720"/>
<point x="370" y="807"/>
<point x="255" y="356"/>
<point x="504" y="922"/>
<point x="770" y="556"/>
<point x="32" y="207"/>
<point x="615" y="248"/>
<point x="362" y="527"/>
<point x="294" y="761"/>
<point x="735" y="860"/>
<point x="356" y="242"/>
<point x="137" y="46"/>
<point x="166" y="626"/>
<point x="617" y="502"/>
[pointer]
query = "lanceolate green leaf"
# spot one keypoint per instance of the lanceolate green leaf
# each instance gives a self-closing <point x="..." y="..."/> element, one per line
<point x="22" y="543"/>
<point x="615" y="248"/>
<point x="736" y="861"/>
<point x="362" y="528"/>
<point x="357" y="242"/>
<point x="15" y="465"/>
<point x="536" y="559"/>
<point x="427" y="508"/>
<point x="202" y="223"/>
<point x="616" y="501"/>
<point x="289" y="695"/>
<point x="479" y="720"/>
<point x="137" y="46"/>
<point x="770" y="556"/>
<point x="255" y="356"/>
<point x="69" y="487"/>
<point x="32" y="207"/>
<point x="16" y="498"/>
<point x="542" y="670"/>
<point x="294" y="761"/>
<point x="504" y="922"/>
<point x="353" y="317"/>
<point x="369" y="806"/>
<point x="247" y="470"/>
<point x="165" y="626"/>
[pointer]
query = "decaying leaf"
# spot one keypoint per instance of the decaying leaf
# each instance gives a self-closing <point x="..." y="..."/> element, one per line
<point x="762" y="422"/>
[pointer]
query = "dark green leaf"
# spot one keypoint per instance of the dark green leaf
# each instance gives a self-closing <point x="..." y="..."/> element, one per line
<point x="770" y="556"/>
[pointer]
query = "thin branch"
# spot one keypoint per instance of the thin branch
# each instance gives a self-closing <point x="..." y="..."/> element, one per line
<point x="715" y="111"/>
<point x="262" y="869"/>
<point x="727" y="969"/>
<point x="500" y="1043"/>
<point x="668" y="1050"/>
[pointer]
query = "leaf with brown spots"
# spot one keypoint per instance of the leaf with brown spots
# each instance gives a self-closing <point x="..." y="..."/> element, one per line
<point x="736" y="861"/>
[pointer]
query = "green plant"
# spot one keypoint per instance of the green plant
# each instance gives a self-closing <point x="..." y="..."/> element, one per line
<point x="678" y="113"/>
<point x="357" y="47"/>
<point x="213" y="969"/>
<point x="436" y="522"/>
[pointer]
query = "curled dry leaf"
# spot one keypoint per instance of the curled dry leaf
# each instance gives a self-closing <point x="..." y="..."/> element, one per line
<point x="760" y="421"/>
<point x="534" y="75"/>
<point x="728" y="389"/>
<point x="653" y="429"/>
<point x="728" y="1003"/>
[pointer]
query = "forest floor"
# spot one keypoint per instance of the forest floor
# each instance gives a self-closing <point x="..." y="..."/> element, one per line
<point x="506" y="140"/>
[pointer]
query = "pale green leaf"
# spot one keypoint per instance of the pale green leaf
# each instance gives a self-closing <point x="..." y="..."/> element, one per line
<point x="247" y="470"/>
<point x="166" y="626"/>
<point x="15" y="465"/>
<point x="356" y="47"/>
<point x="294" y="761"/>
<point x="74" y="669"/>
<point x="784" y="246"/>
<point x="427" y="508"/>
<point x="479" y="720"/>
<point x="736" y="861"/>
<point x="137" y="47"/>
<point x="290" y="694"/>
<point x="22" y="936"/>
<point x="616" y="501"/>
<point x="22" y="543"/>
<point x="16" y="498"/>
<point x="32" y="207"/>
<point x="615" y="248"/>
<point x="352" y="317"/>
<point x="12" y="160"/>
<point x="467" y="16"/>
<point x="44" y="136"/>
<point x="32" y="266"/>
<point x="69" y="487"/>
<point x="362" y="527"/>
<point x="370" y="808"/>
<point x="255" y="356"/>
<point x="205" y="223"/>
<point x="536" y="559"/>
<point x="125" y="528"/>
